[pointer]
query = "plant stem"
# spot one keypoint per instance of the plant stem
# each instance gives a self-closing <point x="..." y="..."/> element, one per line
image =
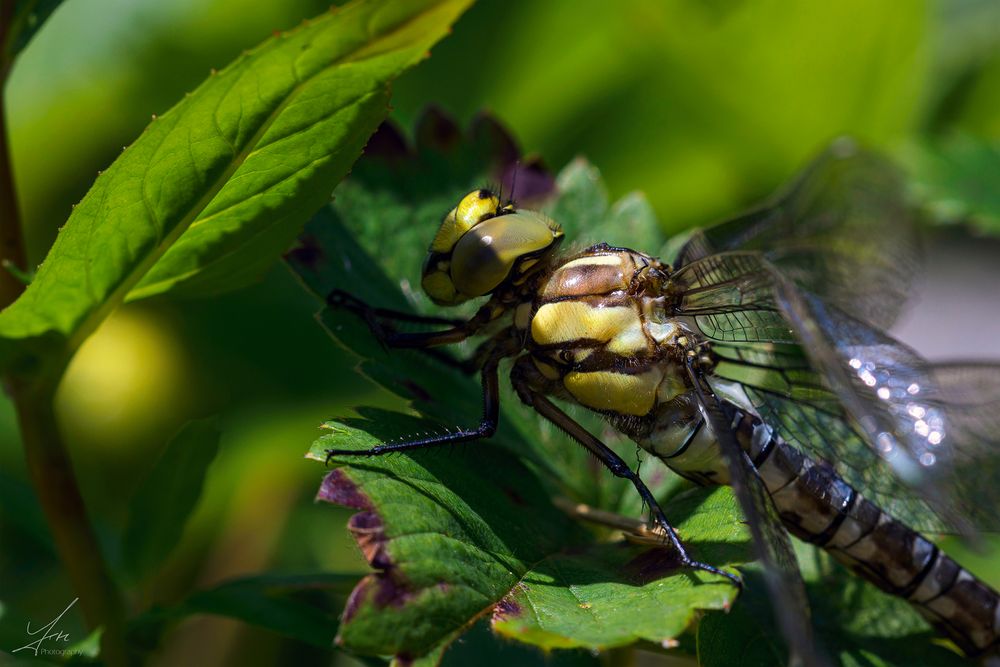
<point x="55" y="483"/>
<point x="45" y="453"/>
<point x="11" y="236"/>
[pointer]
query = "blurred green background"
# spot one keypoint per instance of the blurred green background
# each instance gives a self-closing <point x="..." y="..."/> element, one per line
<point x="705" y="107"/>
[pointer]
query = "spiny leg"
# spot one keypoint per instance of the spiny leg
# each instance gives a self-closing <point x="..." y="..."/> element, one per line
<point x="338" y="298"/>
<point x="486" y="428"/>
<point x="379" y="322"/>
<point x="619" y="468"/>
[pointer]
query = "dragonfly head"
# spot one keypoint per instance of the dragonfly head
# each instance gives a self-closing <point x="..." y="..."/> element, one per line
<point x="483" y="244"/>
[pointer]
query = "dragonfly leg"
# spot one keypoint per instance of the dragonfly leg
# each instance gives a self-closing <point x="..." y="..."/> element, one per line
<point x="486" y="428"/>
<point x="619" y="468"/>
<point x="338" y="298"/>
<point x="379" y="321"/>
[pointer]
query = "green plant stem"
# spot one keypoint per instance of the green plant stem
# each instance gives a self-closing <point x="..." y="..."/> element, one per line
<point x="11" y="237"/>
<point x="48" y="460"/>
<point x="55" y="483"/>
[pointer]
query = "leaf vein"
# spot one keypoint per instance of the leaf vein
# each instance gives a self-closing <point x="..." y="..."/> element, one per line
<point x="132" y="276"/>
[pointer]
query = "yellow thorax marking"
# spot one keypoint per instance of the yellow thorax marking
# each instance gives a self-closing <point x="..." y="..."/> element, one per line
<point x="617" y="392"/>
<point x="567" y="321"/>
<point x="631" y="339"/>
<point x="522" y="315"/>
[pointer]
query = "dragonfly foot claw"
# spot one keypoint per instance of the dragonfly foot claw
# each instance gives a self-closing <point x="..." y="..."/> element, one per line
<point x="735" y="579"/>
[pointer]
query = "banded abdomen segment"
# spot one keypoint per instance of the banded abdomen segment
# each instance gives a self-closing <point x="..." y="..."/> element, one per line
<point x="818" y="506"/>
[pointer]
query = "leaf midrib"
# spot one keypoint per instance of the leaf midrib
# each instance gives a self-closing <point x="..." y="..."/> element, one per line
<point x="132" y="278"/>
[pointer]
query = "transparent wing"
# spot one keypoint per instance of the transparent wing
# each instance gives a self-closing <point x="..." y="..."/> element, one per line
<point x="778" y="383"/>
<point x="841" y="230"/>
<point x="912" y="436"/>
<point x="974" y="385"/>
<point x="931" y="437"/>
<point x="771" y="541"/>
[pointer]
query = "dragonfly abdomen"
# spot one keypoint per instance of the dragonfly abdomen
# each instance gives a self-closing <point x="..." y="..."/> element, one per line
<point x="818" y="506"/>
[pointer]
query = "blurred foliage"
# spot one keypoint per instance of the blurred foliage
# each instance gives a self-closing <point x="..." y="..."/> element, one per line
<point x="705" y="107"/>
<point x="27" y="17"/>
<point x="956" y="179"/>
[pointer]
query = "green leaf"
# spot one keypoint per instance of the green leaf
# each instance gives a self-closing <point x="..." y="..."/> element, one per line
<point x="453" y="537"/>
<point x="29" y="15"/>
<point x="482" y="648"/>
<point x="278" y="603"/>
<point x="957" y="179"/>
<point x="616" y="594"/>
<point x="89" y="647"/>
<point x="300" y="606"/>
<point x="165" y="500"/>
<point x="215" y="189"/>
<point x="582" y="210"/>
<point x="448" y="537"/>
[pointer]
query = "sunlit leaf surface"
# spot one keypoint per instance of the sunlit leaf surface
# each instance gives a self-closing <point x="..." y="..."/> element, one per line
<point x="455" y="535"/>
<point x="216" y="188"/>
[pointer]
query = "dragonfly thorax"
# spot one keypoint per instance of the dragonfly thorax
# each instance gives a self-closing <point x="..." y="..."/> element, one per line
<point x="599" y="333"/>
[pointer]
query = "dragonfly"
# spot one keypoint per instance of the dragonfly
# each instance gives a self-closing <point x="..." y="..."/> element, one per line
<point x="756" y="357"/>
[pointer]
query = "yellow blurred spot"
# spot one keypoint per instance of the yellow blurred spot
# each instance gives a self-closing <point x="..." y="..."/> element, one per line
<point x="128" y="380"/>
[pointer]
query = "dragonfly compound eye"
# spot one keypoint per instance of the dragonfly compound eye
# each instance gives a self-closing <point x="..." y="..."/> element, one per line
<point x="475" y="207"/>
<point x="481" y="244"/>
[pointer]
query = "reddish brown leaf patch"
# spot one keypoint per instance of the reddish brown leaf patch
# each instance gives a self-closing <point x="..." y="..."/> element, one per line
<point x="438" y="131"/>
<point x="383" y="589"/>
<point x="369" y="533"/>
<point x="387" y="143"/>
<point x="339" y="489"/>
<point x="506" y="608"/>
